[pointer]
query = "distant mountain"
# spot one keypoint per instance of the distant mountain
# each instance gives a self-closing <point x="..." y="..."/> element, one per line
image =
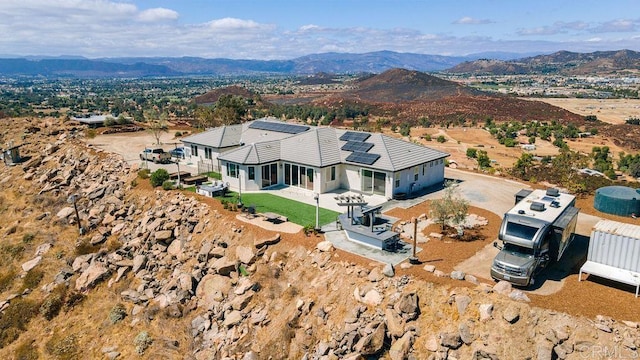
<point x="80" y="68"/>
<point x="331" y="63"/>
<point x="561" y="63"/>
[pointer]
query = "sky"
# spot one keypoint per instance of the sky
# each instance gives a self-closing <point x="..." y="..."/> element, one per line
<point x="286" y="29"/>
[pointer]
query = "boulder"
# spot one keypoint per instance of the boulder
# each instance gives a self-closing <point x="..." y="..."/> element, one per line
<point x="31" y="263"/>
<point x="395" y="324"/>
<point x="465" y="333"/>
<point x="258" y="243"/>
<point x="486" y="311"/>
<point x="502" y="287"/>
<point x="400" y="348"/>
<point x="372" y="297"/>
<point x="212" y="289"/>
<point x="232" y="318"/>
<point x="245" y="254"/>
<point x="429" y="268"/>
<point x="95" y="273"/>
<point x="165" y="236"/>
<point x="139" y="261"/>
<point x="388" y="270"/>
<point x="223" y="266"/>
<point x="450" y="340"/>
<point x="519" y="295"/>
<point x="373" y="343"/>
<point x="458" y="275"/>
<point x="407" y="306"/>
<point x="65" y="212"/>
<point x="462" y="302"/>
<point x="511" y="314"/>
<point x="324" y="246"/>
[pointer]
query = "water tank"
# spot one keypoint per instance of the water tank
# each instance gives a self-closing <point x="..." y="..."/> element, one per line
<point x="617" y="200"/>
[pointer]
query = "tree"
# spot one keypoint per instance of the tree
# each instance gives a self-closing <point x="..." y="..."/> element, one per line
<point x="451" y="209"/>
<point x="523" y="164"/>
<point x="441" y="139"/>
<point x="472" y="153"/>
<point x="158" y="177"/>
<point x="483" y="160"/>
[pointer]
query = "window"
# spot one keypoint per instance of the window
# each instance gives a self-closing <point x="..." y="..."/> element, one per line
<point x="333" y="173"/>
<point x="252" y="173"/>
<point x="396" y="177"/>
<point x="430" y="163"/>
<point x="416" y="172"/>
<point x="440" y="161"/>
<point x="232" y="170"/>
<point x="424" y="169"/>
<point x="194" y="150"/>
<point x="207" y="153"/>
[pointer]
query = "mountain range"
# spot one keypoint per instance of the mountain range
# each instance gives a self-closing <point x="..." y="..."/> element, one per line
<point x="562" y="62"/>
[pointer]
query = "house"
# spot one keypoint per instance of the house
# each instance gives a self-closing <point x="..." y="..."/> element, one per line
<point x="263" y="153"/>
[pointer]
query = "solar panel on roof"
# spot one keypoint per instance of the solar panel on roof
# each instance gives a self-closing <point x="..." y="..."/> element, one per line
<point x="278" y="127"/>
<point x="354" y="136"/>
<point x="362" y="158"/>
<point x="357" y="146"/>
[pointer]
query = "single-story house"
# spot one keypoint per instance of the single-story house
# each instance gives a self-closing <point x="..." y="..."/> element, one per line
<point x="263" y="153"/>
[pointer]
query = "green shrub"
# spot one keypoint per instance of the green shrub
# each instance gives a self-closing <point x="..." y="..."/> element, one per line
<point x="6" y="279"/>
<point x="51" y="306"/>
<point x="13" y="251"/>
<point x="142" y="342"/>
<point x="27" y="350"/>
<point x="32" y="279"/>
<point x="441" y="139"/>
<point x="117" y="313"/>
<point x="158" y="177"/>
<point x="15" y="319"/>
<point x="63" y="348"/>
<point x="178" y="134"/>
<point x="167" y="185"/>
<point x="144" y="173"/>
<point x="28" y="238"/>
<point x="73" y="299"/>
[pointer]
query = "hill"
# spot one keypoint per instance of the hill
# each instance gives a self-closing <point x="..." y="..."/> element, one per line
<point x="410" y="95"/>
<point x="212" y="96"/>
<point x="560" y="63"/>
<point x="80" y="68"/>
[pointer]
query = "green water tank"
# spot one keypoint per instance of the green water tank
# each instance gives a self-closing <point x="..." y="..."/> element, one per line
<point x="617" y="200"/>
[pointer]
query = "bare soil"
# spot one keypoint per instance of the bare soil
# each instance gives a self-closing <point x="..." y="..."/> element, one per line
<point x="612" y="111"/>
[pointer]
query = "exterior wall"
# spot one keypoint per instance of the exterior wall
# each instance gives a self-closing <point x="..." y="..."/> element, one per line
<point x="351" y="179"/>
<point x="429" y="174"/>
<point x="324" y="179"/>
<point x="614" y="250"/>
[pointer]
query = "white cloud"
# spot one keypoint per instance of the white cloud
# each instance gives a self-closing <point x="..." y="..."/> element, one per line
<point x="467" y="20"/>
<point x="619" y="25"/>
<point x="157" y="14"/>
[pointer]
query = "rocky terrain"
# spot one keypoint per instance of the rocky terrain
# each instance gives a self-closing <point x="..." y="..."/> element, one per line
<point x="165" y="275"/>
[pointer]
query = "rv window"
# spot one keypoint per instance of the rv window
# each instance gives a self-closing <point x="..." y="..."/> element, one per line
<point x="516" y="249"/>
<point x="521" y="231"/>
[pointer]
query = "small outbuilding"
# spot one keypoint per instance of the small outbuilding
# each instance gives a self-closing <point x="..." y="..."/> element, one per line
<point x="11" y="156"/>
<point x="618" y="200"/>
<point x="614" y="253"/>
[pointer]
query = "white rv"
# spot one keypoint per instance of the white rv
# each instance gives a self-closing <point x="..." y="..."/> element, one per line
<point x="537" y="230"/>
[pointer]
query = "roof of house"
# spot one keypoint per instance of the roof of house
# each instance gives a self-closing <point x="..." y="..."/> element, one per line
<point x="322" y="146"/>
<point x="236" y="135"/>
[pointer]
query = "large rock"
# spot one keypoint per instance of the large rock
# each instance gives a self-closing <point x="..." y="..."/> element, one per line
<point x="139" y="261"/>
<point x="232" y="318"/>
<point x="486" y="311"/>
<point x="462" y="302"/>
<point x="388" y="270"/>
<point x="325" y="246"/>
<point x="258" y="243"/>
<point x="511" y="314"/>
<point x="212" y="289"/>
<point x="395" y="324"/>
<point x="400" y="349"/>
<point x="223" y="266"/>
<point x="503" y="287"/>
<point x="450" y="340"/>
<point x="65" y="212"/>
<point x="245" y="254"/>
<point x="95" y="273"/>
<point x="372" y="297"/>
<point x="372" y="343"/>
<point x="465" y="333"/>
<point x="407" y="306"/>
<point x="165" y="236"/>
<point x="31" y="263"/>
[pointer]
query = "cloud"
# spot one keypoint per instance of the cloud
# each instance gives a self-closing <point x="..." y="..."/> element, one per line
<point x="619" y="25"/>
<point x="467" y="20"/>
<point x="559" y="27"/>
<point x="157" y="14"/>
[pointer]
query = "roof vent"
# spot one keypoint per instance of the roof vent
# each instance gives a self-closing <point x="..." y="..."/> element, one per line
<point x="553" y="192"/>
<point x="537" y="206"/>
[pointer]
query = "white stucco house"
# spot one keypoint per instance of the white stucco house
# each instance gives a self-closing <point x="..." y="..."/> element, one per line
<point x="267" y="152"/>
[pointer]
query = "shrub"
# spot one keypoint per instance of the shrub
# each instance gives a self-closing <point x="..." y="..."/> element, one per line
<point x="27" y="350"/>
<point x="91" y="133"/>
<point x="158" y="177"/>
<point x="427" y="137"/>
<point x="6" y="279"/>
<point x="73" y="299"/>
<point x="65" y="348"/>
<point x="117" y="313"/>
<point x="144" y="173"/>
<point x="84" y="247"/>
<point x="51" y="305"/>
<point x="178" y="134"/>
<point x="28" y="238"/>
<point x="441" y="139"/>
<point x="15" y="319"/>
<point x="167" y="185"/>
<point x="142" y="342"/>
<point x="32" y="279"/>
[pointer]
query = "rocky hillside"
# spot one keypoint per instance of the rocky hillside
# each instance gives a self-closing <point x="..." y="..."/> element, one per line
<point x="166" y="275"/>
<point x="559" y="63"/>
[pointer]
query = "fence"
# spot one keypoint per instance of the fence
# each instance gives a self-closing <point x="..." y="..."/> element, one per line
<point x="207" y="166"/>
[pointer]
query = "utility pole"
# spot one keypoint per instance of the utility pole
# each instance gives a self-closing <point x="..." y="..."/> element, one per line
<point x="414" y="259"/>
<point x="316" y="197"/>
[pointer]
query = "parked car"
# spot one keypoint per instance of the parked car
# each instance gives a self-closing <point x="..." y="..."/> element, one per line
<point x="178" y="153"/>
<point x="155" y="154"/>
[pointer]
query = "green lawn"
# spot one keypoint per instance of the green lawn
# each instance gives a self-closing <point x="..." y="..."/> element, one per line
<point x="297" y="212"/>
